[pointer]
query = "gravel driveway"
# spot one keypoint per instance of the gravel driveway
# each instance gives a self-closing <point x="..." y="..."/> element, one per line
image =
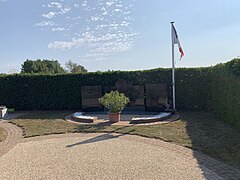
<point x="99" y="156"/>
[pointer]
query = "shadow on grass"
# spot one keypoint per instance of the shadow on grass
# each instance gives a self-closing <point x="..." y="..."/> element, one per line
<point x="102" y="137"/>
<point x="215" y="138"/>
<point x="102" y="127"/>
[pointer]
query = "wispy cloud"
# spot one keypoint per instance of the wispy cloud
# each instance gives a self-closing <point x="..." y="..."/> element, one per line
<point x="65" y="44"/>
<point x="103" y="27"/>
<point x="55" y="4"/>
<point x="49" y="15"/>
<point x="58" y="29"/>
<point x="44" y="23"/>
<point x="64" y="10"/>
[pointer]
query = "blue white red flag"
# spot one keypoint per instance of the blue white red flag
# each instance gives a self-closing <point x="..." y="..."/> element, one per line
<point x="176" y="41"/>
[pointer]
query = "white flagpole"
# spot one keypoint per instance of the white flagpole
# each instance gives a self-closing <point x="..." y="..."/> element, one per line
<point x="173" y="69"/>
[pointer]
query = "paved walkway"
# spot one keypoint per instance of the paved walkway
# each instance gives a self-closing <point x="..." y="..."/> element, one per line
<point x="103" y="156"/>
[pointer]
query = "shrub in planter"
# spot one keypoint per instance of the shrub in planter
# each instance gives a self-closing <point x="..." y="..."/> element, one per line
<point x="115" y="102"/>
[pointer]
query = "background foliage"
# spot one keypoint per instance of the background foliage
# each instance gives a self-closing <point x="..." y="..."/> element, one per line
<point x="42" y="66"/>
<point x="74" y="67"/>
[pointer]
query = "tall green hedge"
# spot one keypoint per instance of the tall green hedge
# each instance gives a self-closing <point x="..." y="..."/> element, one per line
<point x="215" y="88"/>
<point x="226" y="91"/>
<point x="58" y="92"/>
<point x="193" y="89"/>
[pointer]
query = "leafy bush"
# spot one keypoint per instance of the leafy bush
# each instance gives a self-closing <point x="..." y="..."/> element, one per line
<point x="114" y="101"/>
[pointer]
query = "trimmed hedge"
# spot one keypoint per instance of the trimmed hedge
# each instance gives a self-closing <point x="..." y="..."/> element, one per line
<point x="214" y="88"/>
<point x="233" y="67"/>
<point x="226" y="91"/>
<point x="59" y="92"/>
<point x="193" y="89"/>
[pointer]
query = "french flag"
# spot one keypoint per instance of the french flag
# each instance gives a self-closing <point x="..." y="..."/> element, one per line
<point x="176" y="41"/>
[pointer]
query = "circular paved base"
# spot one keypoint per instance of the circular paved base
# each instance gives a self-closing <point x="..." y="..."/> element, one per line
<point x="101" y="119"/>
<point x="125" y="115"/>
<point x="99" y="156"/>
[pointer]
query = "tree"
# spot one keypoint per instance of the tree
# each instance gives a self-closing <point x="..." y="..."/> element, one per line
<point x="74" y="67"/>
<point x="42" y="66"/>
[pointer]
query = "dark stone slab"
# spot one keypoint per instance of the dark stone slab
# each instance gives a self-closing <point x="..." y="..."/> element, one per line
<point x="156" y="97"/>
<point x="90" y="96"/>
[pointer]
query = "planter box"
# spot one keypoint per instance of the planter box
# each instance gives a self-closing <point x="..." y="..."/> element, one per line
<point x="114" y="117"/>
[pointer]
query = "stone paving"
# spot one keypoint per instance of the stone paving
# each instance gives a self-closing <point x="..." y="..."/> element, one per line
<point x="190" y="162"/>
<point x="125" y="122"/>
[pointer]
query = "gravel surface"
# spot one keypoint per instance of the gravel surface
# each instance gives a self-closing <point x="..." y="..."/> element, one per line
<point x="98" y="156"/>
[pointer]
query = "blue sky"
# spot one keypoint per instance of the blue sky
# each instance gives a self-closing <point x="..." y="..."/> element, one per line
<point x="118" y="34"/>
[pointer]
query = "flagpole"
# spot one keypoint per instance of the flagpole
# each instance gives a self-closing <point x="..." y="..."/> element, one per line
<point x="173" y="70"/>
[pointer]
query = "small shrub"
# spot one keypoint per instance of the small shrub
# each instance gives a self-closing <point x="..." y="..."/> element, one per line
<point x="114" y="101"/>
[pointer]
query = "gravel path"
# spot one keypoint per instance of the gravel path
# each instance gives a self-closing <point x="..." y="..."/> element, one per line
<point x="100" y="156"/>
<point x="14" y="135"/>
<point x="103" y="156"/>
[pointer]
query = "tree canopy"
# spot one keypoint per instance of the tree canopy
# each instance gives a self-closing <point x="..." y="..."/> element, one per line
<point x="74" y="67"/>
<point x="42" y="66"/>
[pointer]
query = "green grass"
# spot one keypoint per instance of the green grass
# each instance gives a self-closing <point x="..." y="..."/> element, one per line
<point x="3" y="134"/>
<point x="45" y="122"/>
<point x="196" y="130"/>
<point x="46" y="115"/>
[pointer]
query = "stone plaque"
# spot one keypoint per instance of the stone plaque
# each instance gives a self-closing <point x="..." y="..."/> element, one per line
<point x="90" y="96"/>
<point x="156" y="97"/>
<point x="108" y="89"/>
<point x="135" y="93"/>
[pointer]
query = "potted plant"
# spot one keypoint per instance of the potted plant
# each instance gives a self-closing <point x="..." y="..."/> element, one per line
<point x="115" y="102"/>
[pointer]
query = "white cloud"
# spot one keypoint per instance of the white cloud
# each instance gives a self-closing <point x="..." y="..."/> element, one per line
<point x="84" y="4"/>
<point x="49" y="15"/>
<point x="110" y="3"/>
<point x="60" y="9"/>
<point x="87" y="38"/>
<point x="119" y="5"/>
<point x="105" y="13"/>
<point x="58" y="29"/>
<point x="55" y="4"/>
<point x="44" y="23"/>
<point x="77" y="5"/>
<point x="65" y="44"/>
<point x="112" y="47"/>
<point x="97" y="26"/>
<point x="64" y="10"/>
<point x="95" y="18"/>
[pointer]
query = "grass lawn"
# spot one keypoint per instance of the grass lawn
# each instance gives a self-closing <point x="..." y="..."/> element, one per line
<point x="3" y="134"/>
<point x="197" y="130"/>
